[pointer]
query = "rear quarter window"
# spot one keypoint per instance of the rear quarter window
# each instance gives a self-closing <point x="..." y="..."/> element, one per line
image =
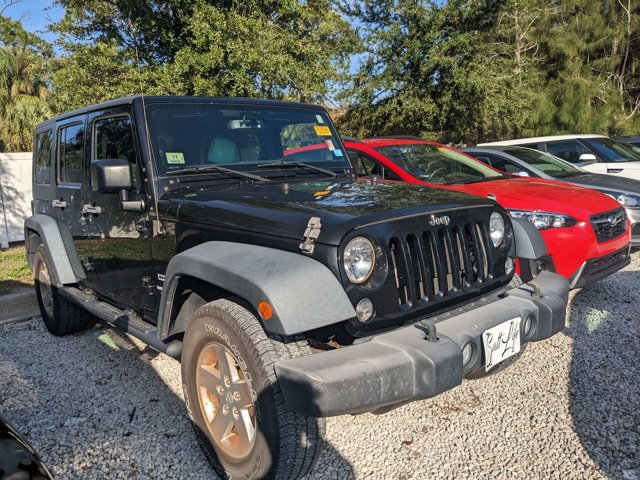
<point x="42" y="158"/>
<point x="70" y="153"/>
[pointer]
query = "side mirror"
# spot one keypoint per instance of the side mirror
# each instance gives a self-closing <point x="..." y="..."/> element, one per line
<point x="588" y="158"/>
<point x="111" y="175"/>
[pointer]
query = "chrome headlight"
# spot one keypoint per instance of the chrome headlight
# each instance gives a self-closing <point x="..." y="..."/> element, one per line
<point x="496" y="229"/>
<point x="544" y="220"/>
<point x="359" y="259"/>
<point x="629" y="200"/>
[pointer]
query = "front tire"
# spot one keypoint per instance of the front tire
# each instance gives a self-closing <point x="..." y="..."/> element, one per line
<point x="60" y="316"/>
<point x="240" y="418"/>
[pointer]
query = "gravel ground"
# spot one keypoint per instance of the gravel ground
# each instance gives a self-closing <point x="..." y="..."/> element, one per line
<point x="97" y="405"/>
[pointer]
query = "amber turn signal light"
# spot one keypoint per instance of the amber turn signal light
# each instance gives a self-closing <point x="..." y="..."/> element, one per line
<point x="265" y="310"/>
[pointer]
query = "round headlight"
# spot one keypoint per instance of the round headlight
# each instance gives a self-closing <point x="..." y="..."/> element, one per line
<point x="359" y="259"/>
<point x="496" y="229"/>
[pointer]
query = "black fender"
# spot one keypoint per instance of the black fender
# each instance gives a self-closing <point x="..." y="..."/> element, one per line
<point x="65" y="266"/>
<point x="302" y="292"/>
<point x="528" y="241"/>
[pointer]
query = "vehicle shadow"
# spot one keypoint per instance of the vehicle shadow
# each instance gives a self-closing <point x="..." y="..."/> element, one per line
<point x="13" y="286"/>
<point x="604" y="376"/>
<point x="98" y="405"/>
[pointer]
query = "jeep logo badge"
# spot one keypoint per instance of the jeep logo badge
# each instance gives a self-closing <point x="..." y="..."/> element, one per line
<point x="443" y="220"/>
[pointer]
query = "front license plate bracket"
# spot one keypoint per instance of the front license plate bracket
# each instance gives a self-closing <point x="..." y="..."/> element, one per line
<point x="501" y="342"/>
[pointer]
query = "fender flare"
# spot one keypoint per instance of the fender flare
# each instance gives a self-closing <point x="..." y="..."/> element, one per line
<point x="60" y="261"/>
<point x="528" y="241"/>
<point x="303" y="293"/>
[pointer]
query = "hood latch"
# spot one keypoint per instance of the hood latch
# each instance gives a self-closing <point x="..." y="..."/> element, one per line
<point x="311" y="234"/>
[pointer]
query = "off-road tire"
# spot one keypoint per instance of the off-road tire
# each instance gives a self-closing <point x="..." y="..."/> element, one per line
<point x="286" y="443"/>
<point x="60" y="316"/>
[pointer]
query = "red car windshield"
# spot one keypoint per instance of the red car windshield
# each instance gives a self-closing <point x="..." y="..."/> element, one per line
<point x="438" y="164"/>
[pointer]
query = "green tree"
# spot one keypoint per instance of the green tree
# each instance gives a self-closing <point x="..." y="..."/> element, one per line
<point x="592" y="52"/>
<point x="285" y="49"/>
<point x="470" y="70"/>
<point x="23" y="84"/>
<point x="433" y="69"/>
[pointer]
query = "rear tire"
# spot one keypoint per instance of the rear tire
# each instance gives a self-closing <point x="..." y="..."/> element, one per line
<point x="239" y="416"/>
<point x="60" y="316"/>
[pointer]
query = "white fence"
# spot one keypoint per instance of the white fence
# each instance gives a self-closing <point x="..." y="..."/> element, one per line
<point x="15" y="196"/>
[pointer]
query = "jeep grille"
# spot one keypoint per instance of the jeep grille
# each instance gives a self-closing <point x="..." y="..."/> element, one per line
<point x="609" y="225"/>
<point x="435" y="264"/>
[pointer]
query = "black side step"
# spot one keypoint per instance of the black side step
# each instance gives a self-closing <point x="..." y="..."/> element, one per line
<point x="123" y="320"/>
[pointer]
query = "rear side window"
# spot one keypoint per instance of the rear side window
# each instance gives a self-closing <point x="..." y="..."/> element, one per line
<point x="499" y="163"/>
<point x="569" y="150"/>
<point x="42" y="165"/>
<point x="71" y="141"/>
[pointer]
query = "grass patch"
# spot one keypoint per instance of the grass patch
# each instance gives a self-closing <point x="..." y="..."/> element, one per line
<point x="14" y="271"/>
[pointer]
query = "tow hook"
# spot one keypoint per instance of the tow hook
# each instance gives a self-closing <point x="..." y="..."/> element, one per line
<point x="429" y="330"/>
<point x="536" y="290"/>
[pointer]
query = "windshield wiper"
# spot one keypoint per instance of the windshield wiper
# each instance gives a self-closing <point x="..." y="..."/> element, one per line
<point x="214" y="169"/>
<point x="297" y="165"/>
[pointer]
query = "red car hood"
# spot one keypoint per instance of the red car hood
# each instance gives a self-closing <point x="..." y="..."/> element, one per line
<point x="543" y="195"/>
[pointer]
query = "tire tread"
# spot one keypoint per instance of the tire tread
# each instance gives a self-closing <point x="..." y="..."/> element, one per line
<point x="68" y="317"/>
<point x="300" y="437"/>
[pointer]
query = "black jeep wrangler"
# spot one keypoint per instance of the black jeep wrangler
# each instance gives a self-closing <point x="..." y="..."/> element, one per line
<point x="232" y="234"/>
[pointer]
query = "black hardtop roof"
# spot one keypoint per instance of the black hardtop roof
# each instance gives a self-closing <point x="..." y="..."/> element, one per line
<point x="171" y="99"/>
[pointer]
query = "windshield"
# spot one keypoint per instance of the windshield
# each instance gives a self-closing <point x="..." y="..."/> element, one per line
<point x="437" y="164"/>
<point x="613" y="151"/>
<point x="633" y="146"/>
<point x="545" y="162"/>
<point x="241" y="137"/>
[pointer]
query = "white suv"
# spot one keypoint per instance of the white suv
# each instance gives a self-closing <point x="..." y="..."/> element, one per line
<point x="594" y="153"/>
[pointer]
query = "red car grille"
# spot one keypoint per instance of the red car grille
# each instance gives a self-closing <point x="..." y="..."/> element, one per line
<point x="609" y="225"/>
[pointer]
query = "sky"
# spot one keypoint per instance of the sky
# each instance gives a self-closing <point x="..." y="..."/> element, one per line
<point x="35" y="15"/>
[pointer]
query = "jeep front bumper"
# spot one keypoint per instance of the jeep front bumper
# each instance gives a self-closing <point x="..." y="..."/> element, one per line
<point x="409" y="364"/>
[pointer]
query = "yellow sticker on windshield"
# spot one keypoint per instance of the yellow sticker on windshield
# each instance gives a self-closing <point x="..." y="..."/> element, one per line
<point x="175" y="158"/>
<point x="322" y="130"/>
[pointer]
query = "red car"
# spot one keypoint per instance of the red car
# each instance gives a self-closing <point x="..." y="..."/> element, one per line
<point x="586" y="232"/>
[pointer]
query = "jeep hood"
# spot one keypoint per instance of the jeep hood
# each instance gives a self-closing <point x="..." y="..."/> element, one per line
<point x="522" y="193"/>
<point x="283" y="210"/>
